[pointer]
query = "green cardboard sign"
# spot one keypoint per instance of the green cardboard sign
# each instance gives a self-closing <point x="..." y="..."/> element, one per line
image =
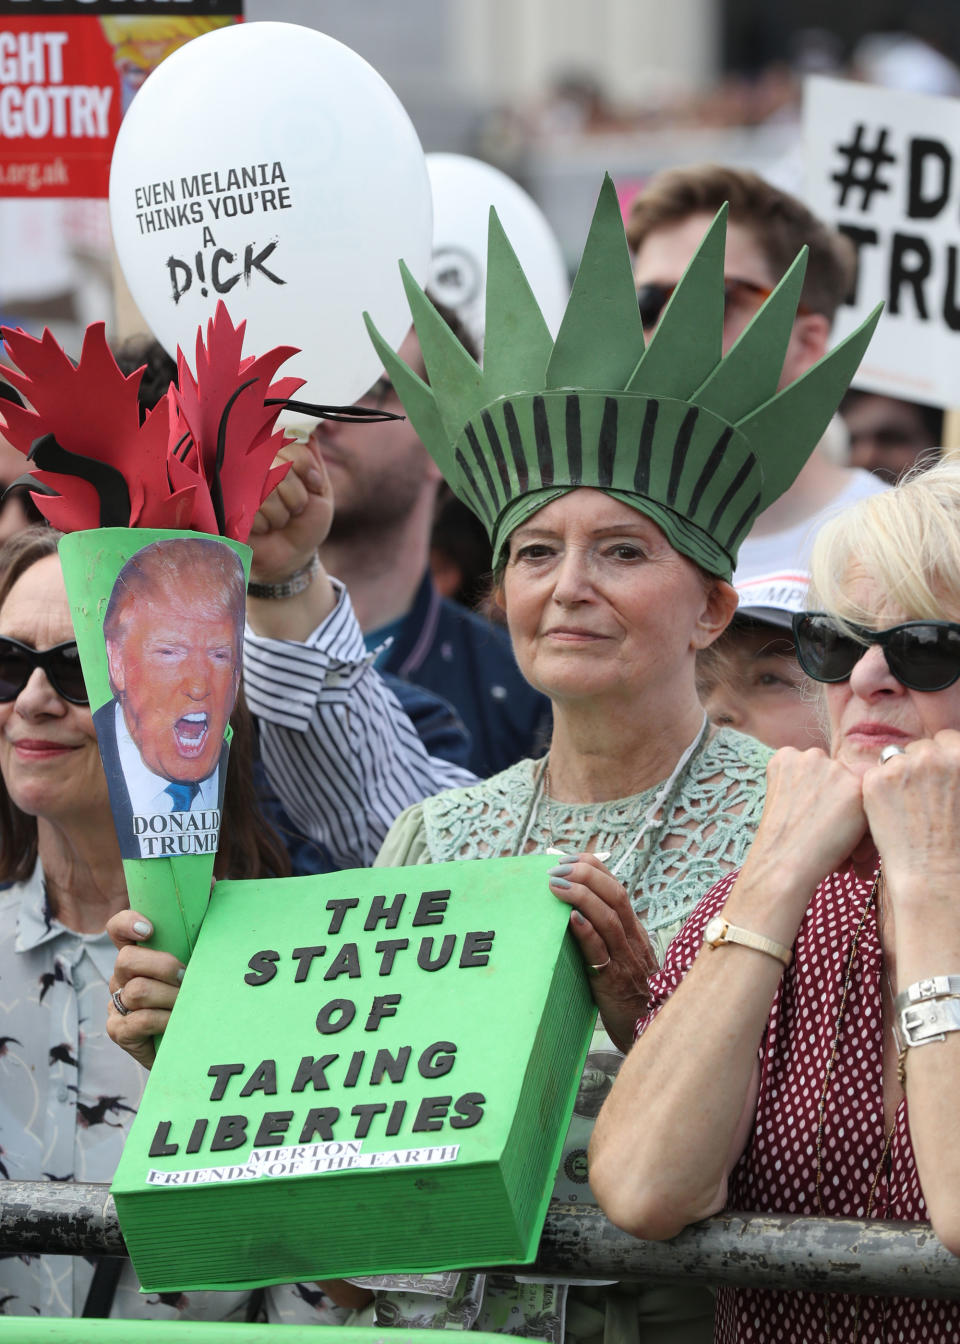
<point x="62" y="1330"/>
<point x="368" y="1072"/>
<point x="158" y="617"/>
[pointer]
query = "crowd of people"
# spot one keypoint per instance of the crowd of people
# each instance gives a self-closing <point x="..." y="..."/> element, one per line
<point x="760" y="870"/>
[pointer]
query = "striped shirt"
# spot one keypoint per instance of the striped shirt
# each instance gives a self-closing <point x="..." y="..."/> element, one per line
<point x="340" y="752"/>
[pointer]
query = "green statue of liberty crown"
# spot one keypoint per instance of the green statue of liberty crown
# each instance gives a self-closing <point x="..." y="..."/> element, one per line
<point x="698" y="441"/>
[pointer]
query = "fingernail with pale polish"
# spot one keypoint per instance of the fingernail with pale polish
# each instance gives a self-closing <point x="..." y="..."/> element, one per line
<point x="561" y="870"/>
<point x="560" y="882"/>
<point x="142" y="927"/>
<point x="180" y="973"/>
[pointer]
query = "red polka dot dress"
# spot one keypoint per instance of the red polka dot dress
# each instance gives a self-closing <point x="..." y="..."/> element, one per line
<point x="778" y="1170"/>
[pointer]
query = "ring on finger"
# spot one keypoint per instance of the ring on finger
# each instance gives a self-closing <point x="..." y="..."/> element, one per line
<point x="602" y="966"/>
<point x="889" y="752"/>
<point x="119" y="1004"/>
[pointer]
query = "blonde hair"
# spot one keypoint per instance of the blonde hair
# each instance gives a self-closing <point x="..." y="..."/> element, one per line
<point x="907" y="540"/>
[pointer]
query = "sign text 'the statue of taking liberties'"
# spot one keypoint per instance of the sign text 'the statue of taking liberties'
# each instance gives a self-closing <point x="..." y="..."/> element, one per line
<point x="370" y="1072"/>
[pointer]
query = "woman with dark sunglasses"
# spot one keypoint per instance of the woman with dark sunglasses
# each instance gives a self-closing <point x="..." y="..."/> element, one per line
<point x="66" y="1092"/>
<point x="802" y="1049"/>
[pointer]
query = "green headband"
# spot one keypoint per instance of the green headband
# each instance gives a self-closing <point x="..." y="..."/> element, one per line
<point x="698" y="441"/>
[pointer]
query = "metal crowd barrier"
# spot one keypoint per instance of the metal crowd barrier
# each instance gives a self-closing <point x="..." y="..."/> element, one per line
<point x="747" y="1250"/>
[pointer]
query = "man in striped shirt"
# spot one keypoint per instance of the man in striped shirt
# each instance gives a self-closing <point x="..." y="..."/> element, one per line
<point x="338" y="749"/>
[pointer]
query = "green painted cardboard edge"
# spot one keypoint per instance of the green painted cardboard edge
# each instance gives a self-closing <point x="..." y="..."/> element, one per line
<point x="582" y="1019"/>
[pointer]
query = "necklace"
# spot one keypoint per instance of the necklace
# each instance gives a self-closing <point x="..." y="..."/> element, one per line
<point x="543" y="791"/>
<point x="881" y="918"/>
<point x="871" y="901"/>
<point x="902" y="1053"/>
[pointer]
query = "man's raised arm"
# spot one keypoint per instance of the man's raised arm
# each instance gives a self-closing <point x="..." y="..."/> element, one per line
<point x="339" y="750"/>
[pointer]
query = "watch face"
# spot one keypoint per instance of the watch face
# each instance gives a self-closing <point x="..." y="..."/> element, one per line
<point x="713" y="933"/>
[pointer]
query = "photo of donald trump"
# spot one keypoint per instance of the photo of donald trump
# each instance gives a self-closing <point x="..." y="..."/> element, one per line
<point x="173" y="630"/>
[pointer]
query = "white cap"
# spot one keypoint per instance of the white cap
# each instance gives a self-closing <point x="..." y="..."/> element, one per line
<point x="773" y="598"/>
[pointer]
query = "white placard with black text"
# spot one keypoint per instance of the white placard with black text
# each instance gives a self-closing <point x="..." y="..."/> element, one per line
<point x="884" y="168"/>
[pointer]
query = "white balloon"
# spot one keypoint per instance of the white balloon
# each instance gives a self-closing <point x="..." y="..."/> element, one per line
<point x="269" y="166"/>
<point x="463" y="191"/>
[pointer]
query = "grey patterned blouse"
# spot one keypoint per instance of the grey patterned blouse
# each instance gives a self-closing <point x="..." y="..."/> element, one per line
<point x="67" y="1097"/>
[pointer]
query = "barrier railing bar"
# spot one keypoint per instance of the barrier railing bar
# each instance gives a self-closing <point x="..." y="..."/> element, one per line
<point x="747" y="1250"/>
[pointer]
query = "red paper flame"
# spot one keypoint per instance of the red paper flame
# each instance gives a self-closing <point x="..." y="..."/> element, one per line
<point x="170" y="462"/>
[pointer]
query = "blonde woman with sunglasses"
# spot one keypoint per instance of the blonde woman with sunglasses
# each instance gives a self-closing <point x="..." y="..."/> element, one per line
<point x="801" y="1053"/>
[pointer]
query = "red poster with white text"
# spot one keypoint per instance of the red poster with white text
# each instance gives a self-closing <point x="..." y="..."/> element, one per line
<point x="65" y="82"/>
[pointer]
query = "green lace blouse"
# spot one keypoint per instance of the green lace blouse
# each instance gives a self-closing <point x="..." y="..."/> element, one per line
<point x="702" y="831"/>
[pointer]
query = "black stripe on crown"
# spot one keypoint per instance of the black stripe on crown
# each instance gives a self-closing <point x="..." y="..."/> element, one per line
<point x="607" y="442"/>
<point x="710" y="468"/>
<point x="574" y="441"/>
<point x="641" y="475"/>
<point x="481" y="460"/>
<point x="730" y="492"/>
<point x="500" y="461"/>
<point x="541" y="434"/>
<point x="680" y="448"/>
<point x="746" y="518"/>
<point x="480" y="504"/>
<point x="516" y="448"/>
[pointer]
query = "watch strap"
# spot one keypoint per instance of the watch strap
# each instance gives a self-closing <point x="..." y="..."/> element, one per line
<point x="733" y="933"/>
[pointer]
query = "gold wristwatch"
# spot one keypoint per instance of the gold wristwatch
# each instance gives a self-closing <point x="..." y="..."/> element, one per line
<point x="718" y="931"/>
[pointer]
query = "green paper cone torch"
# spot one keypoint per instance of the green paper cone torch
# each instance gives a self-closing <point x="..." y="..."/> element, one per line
<point x="155" y="516"/>
<point x="158" y="617"/>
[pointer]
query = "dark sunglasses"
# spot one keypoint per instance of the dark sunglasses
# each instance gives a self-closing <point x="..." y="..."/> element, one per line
<point x="652" y="298"/>
<point x="61" y="665"/>
<point x="922" y="655"/>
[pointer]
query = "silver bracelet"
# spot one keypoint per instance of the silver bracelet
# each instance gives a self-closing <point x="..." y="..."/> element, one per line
<point x="297" y="582"/>
<point x="932" y="987"/>
<point x="926" y="1021"/>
